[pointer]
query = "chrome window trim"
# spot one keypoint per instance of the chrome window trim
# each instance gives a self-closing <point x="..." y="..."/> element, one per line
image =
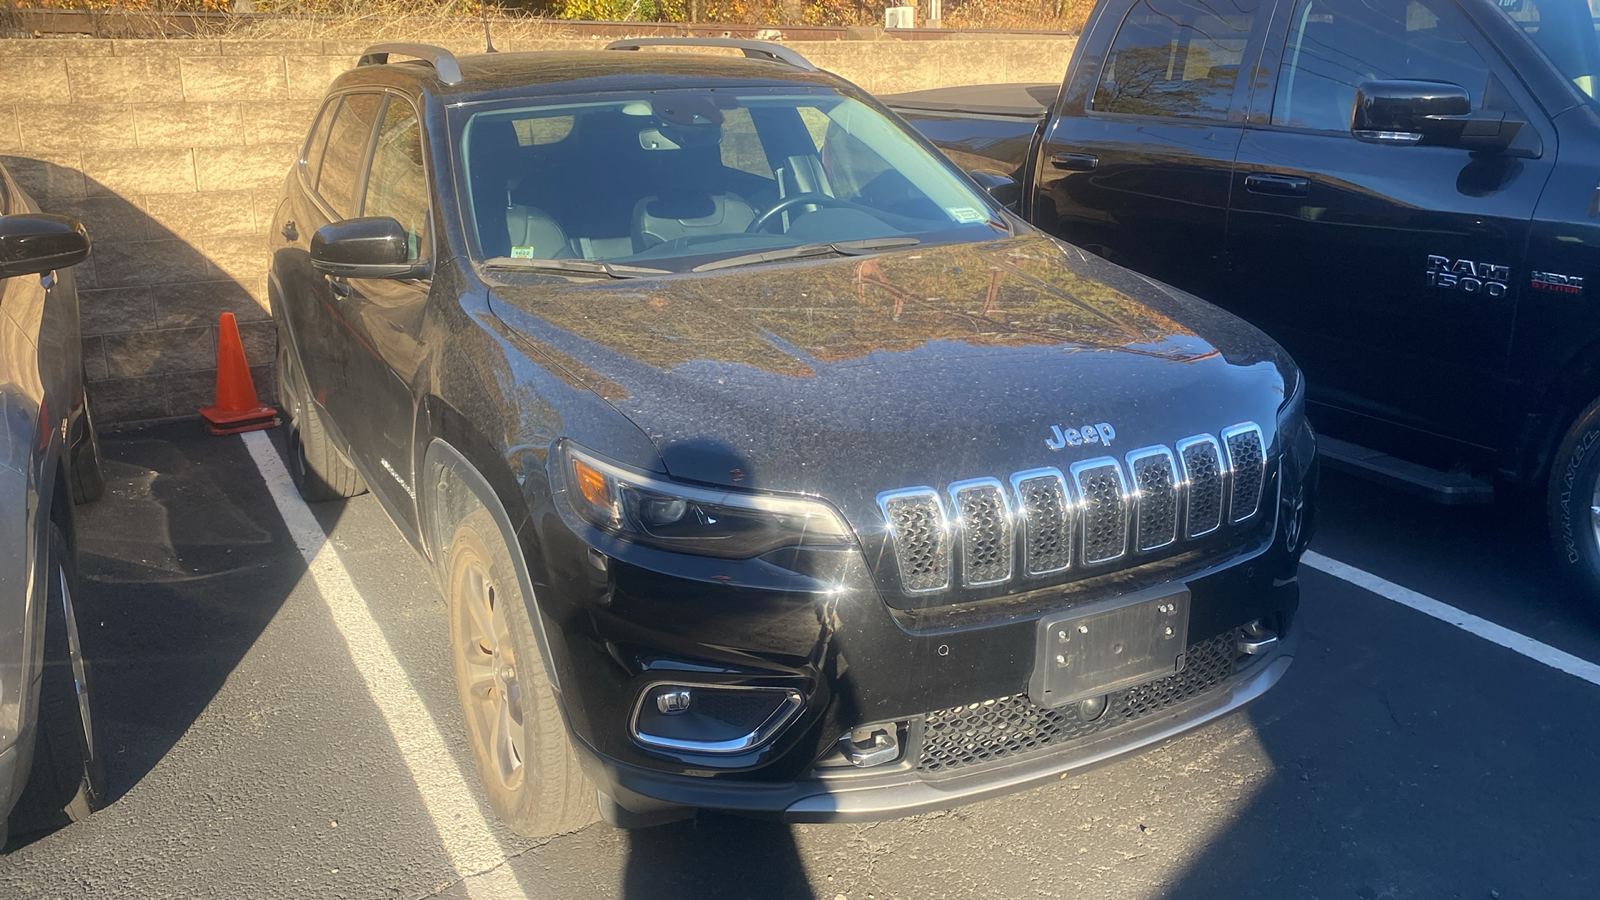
<point x="1222" y="473"/>
<point x="1007" y="538"/>
<point x="1077" y="469"/>
<point x="1179" y="495"/>
<point x="1261" y="441"/>
<point x="764" y="732"/>
<point x="921" y="492"/>
<point x="1069" y="509"/>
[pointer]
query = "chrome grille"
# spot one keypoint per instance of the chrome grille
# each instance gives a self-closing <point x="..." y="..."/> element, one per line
<point x="921" y="537"/>
<point x="1153" y="498"/>
<point x="1155" y="484"/>
<point x="1247" y="459"/>
<point x="1046" y="515"/>
<point x="985" y="522"/>
<point x="1103" y="497"/>
<point x="1203" y="476"/>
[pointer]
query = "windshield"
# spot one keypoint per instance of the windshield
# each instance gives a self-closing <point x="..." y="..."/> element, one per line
<point x="668" y="180"/>
<point x="1566" y="31"/>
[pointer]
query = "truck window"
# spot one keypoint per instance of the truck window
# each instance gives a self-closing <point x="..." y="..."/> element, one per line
<point x="1567" y="31"/>
<point x="1335" y="45"/>
<point x="398" y="183"/>
<point x="1175" y="59"/>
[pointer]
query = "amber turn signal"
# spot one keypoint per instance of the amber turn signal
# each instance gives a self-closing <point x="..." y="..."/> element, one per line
<point x="592" y="484"/>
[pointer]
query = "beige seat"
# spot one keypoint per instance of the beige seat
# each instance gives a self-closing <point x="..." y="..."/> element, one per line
<point x="534" y="233"/>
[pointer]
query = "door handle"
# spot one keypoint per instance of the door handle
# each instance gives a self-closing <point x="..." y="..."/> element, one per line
<point x="338" y="286"/>
<point x="1277" y="185"/>
<point x="289" y="232"/>
<point x="1075" y="162"/>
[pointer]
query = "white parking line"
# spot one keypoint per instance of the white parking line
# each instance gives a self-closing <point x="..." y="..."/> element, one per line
<point x="1489" y="631"/>
<point x="463" y="830"/>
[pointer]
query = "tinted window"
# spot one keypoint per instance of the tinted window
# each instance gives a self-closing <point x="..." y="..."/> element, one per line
<point x="317" y="142"/>
<point x="398" y="185"/>
<point x="1335" y="45"/>
<point x="1176" y="59"/>
<point x="347" y="150"/>
<point x="1568" y="31"/>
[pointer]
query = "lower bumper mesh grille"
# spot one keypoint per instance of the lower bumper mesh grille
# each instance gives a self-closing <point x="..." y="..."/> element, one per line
<point x="992" y="730"/>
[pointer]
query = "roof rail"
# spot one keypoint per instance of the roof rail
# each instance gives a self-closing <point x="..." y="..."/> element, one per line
<point x="442" y="60"/>
<point x="752" y="49"/>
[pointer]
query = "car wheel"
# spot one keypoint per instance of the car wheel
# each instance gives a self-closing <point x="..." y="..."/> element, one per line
<point x="519" y="742"/>
<point x="1573" y="505"/>
<point x="67" y="781"/>
<point x="88" y="480"/>
<point x="319" y="471"/>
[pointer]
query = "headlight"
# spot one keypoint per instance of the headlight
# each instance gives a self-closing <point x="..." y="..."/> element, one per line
<point x="647" y="510"/>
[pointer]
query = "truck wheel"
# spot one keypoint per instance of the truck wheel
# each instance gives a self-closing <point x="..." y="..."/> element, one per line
<point x="519" y="741"/>
<point x="1573" y="505"/>
<point x="68" y="780"/>
<point x="88" y="480"/>
<point x="319" y="471"/>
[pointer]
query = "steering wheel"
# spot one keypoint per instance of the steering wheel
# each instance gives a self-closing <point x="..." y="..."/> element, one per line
<point x="788" y="203"/>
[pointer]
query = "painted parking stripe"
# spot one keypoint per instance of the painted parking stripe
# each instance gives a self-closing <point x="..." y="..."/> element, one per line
<point x="1489" y="631"/>
<point x="459" y="820"/>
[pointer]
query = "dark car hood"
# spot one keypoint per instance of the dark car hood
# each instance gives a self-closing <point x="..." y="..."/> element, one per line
<point x="847" y="377"/>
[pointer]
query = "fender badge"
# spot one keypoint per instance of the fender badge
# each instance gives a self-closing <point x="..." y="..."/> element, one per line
<point x="1559" y="284"/>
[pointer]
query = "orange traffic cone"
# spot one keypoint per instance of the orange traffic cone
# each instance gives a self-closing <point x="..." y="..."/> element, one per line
<point x="237" y="408"/>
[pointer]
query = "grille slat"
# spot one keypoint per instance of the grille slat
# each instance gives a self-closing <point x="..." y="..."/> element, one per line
<point x="920" y="533"/>
<point x="1247" y="460"/>
<point x="1103" y="499"/>
<point x="992" y="730"/>
<point x="1047" y="521"/>
<point x="985" y="520"/>
<point x="1155" y="483"/>
<point x="1204" y="476"/>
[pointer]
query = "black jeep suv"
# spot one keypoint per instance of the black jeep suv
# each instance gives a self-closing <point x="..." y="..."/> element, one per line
<point x="765" y="462"/>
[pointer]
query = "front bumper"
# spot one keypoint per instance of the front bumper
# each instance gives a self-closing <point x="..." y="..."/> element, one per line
<point x="863" y="795"/>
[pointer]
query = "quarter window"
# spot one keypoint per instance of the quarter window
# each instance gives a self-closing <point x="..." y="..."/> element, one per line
<point x="398" y="184"/>
<point x="317" y="142"/>
<point x="1176" y="59"/>
<point x="348" y="142"/>
<point x="1335" y="45"/>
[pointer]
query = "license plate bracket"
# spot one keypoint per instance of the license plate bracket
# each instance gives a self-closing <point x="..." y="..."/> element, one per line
<point x="1099" y="648"/>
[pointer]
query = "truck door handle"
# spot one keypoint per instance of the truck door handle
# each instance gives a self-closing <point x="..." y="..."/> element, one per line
<point x="1075" y="162"/>
<point x="289" y="232"/>
<point x="338" y="286"/>
<point x="1277" y="185"/>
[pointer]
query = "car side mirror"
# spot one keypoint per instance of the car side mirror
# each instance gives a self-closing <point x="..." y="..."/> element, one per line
<point x="1003" y="188"/>
<point x="33" y="244"/>
<point x="1428" y="114"/>
<point x="369" y="247"/>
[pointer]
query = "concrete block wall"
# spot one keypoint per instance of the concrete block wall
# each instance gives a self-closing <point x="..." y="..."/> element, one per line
<point x="174" y="153"/>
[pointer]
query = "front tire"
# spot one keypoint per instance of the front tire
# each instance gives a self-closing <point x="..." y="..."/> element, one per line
<point x="1573" y="505"/>
<point x="320" y="473"/>
<point x="519" y="742"/>
<point x="68" y="779"/>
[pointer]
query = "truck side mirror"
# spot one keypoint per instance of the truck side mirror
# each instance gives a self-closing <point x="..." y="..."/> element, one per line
<point x="37" y="243"/>
<point x="1003" y="188"/>
<point x="368" y="247"/>
<point x="1428" y="114"/>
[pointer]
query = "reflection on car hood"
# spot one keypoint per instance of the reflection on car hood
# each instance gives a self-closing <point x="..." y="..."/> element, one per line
<point x="849" y="376"/>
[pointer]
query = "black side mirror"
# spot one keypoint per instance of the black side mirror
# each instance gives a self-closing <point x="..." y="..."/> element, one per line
<point x="1003" y="188"/>
<point x="372" y="247"/>
<point x="32" y="244"/>
<point x="1428" y="114"/>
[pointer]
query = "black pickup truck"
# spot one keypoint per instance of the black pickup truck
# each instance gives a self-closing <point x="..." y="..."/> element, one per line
<point x="1401" y="192"/>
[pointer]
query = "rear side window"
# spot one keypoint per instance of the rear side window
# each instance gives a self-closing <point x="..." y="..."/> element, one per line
<point x="346" y="156"/>
<point x="398" y="183"/>
<point x="317" y="141"/>
<point x="1177" y="59"/>
<point x="1335" y="45"/>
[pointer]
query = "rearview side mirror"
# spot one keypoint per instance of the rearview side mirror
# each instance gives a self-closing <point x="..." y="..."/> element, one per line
<point x="32" y="244"/>
<point x="370" y="247"/>
<point x="1003" y="188"/>
<point x="1428" y="114"/>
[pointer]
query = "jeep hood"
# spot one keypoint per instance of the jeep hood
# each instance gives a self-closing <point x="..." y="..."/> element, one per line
<point x="847" y="377"/>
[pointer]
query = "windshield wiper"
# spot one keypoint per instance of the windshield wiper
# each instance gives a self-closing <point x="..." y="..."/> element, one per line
<point x="572" y="267"/>
<point x="842" y="248"/>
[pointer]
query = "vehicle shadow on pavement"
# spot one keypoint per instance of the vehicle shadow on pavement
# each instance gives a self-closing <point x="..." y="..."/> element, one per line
<point x="715" y="856"/>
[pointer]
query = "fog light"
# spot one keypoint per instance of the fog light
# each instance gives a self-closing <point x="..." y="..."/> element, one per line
<point x="1091" y="708"/>
<point x="712" y="718"/>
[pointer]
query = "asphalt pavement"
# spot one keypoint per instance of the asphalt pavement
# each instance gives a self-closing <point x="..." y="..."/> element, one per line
<point x="282" y="722"/>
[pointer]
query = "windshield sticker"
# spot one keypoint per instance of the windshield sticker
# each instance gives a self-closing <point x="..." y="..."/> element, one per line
<point x="522" y="253"/>
<point x="965" y="214"/>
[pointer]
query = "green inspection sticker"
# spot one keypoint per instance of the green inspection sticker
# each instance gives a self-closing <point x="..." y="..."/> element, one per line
<point x="965" y="214"/>
<point x="522" y="253"/>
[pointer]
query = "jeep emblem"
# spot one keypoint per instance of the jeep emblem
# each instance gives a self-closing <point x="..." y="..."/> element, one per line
<point x="1060" y="438"/>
